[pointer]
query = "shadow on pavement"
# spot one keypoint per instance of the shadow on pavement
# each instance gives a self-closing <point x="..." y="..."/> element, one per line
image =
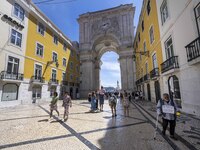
<point x="43" y="120"/>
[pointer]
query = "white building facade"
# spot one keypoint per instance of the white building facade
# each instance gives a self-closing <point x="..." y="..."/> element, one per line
<point x="179" y="23"/>
<point x="13" y="35"/>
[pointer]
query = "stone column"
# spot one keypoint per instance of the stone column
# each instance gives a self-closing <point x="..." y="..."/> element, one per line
<point x="87" y="75"/>
<point x="127" y="67"/>
<point x="97" y="75"/>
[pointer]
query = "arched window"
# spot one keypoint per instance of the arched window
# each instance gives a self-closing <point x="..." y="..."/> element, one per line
<point x="174" y="89"/>
<point x="10" y="92"/>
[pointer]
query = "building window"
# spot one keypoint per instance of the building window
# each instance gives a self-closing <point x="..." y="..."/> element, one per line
<point x="145" y="47"/>
<point x="169" y="48"/>
<point x="139" y="37"/>
<point x="53" y="74"/>
<point x="64" y="62"/>
<point x="18" y="11"/>
<point x="148" y="7"/>
<point x="151" y="34"/>
<point x="39" y="50"/>
<point x="65" y="46"/>
<point x="164" y="11"/>
<point x="146" y="67"/>
<point x="71" y="77"/>
<point x="154" y="60"/>
<point x="16" y="38"/>
<point x="142" y="25"/>
<point x="55" y="57"/>
<point x="10" y="92"/>
<point x="197" y="15"/>
<point x="77" y="79"/>
<point x="55" y="39"/>
<point x="13" y="65"/>
<point x="72" y="52"/>
<point x="37" y="92"/>
<point x="41" y="28"/>
<point x="38" y="71"/>
<point x="63" y="76"/>
<point x="71" y="65"/>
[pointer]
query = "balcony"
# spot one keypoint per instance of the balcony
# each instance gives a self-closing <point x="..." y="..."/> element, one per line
<point x="53" y="81"/>
<point x="11" y="76"/>
<point x="64" y="82"/>
<point x="193" y="50"/>
<point x="171" y="63"/>
<point x="37" y="80"/>
<point x="139" y="81"/>
<point x="146" y="77"/>
<point x="154" y="73"/>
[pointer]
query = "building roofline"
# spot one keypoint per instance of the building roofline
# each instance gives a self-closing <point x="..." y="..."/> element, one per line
<point x="106" y="10"/>
<point x="34" y="9"/>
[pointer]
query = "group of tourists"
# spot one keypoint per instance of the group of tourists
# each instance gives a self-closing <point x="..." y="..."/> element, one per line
<point x="66" y="104"/>
<point x="97" y="97"/>
<point x="166" y="107"/>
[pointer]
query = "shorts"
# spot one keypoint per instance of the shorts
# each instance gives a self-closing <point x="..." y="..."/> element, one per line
<point x="53" y="107"/>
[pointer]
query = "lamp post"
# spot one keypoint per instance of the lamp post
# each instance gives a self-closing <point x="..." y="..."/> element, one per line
<point x="49" y="63"/>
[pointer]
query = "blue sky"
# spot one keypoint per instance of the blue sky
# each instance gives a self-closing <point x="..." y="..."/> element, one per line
<point x="65" y="16"/>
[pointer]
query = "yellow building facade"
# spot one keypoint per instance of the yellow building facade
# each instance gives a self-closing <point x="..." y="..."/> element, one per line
<point x="51" y="61"/>
<point x="148" y="52"/>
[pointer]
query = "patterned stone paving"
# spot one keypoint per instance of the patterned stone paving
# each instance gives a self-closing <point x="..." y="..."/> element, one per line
<point x="28" y="127"/>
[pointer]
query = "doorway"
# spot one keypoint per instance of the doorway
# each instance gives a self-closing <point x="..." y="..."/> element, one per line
<point x="149" y="92"/>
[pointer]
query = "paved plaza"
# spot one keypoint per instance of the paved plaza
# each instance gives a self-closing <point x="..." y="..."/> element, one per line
<point x="27" y="127"/>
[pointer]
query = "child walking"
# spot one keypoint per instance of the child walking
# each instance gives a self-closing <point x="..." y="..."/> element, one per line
<point x="53" y="105"/>
<point x="126" y="104"/>
<point x="66" y="103"/>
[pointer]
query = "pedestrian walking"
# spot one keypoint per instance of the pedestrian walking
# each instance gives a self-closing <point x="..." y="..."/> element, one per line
<point x="89" y="97"/>
<point x="126" y="104"/>
<point x="93" y="102"/>
<point x="66" y="104"/>
<point x="53" y="105"/>
<point x="113" y="103"/>
<point x="101" y="98"/>
<point x="167" y="108"/>
<point x="97" y="99"/>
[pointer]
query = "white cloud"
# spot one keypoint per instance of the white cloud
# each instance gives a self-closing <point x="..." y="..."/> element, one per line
<point x="111" y="66"/>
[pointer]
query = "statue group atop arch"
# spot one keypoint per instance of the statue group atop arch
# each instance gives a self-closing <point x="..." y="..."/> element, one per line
<point x="102" y="31"/>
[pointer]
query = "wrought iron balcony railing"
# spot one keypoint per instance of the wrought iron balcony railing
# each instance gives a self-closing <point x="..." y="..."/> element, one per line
<point x="53" y="81"/>
<point x="193" y="49"/>
<point x="154" y="73"/>
<point x="37" y="79"/>
<point x="11" y="76"/>
<point x="146" y="77"/>
<point x="64" y="82"/>
<point x="171" y="63"/>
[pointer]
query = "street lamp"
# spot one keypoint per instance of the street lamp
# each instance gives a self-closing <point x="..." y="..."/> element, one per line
<point x="145" y="53"/>
<point x="49" y="63"/>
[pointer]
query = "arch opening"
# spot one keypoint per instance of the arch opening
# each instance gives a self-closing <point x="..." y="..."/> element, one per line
<point x="110" y="73"/>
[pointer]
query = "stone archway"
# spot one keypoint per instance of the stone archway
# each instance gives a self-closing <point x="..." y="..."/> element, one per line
<point x="103" y="31"/>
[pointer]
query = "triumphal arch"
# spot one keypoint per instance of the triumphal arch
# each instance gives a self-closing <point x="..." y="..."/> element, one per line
<point x="102" y="31"/>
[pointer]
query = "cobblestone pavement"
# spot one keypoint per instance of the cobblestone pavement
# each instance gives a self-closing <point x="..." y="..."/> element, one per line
<point x="27" y="127"/>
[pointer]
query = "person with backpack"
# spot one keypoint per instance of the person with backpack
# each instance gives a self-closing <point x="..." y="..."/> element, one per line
<point x="113" y="103"/>
<point x="167" y="108"/>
